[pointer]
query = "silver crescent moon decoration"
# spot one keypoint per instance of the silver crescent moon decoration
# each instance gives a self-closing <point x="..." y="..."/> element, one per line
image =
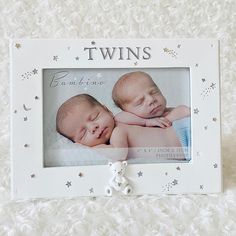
<point x="25" y="108"/>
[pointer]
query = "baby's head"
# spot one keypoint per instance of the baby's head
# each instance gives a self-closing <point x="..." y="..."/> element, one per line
<point x="136" y="93"/>
<point x="82" y="119"/>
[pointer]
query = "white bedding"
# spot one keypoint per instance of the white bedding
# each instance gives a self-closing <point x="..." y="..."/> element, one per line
<point x="63" y="152"/>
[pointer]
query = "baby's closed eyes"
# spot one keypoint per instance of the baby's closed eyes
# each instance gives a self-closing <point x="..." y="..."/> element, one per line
<point x="140" y="102"/>
<point x="94" y="116"/>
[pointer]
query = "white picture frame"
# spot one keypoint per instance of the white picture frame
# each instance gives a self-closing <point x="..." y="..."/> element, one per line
<point x="30" y="58"/>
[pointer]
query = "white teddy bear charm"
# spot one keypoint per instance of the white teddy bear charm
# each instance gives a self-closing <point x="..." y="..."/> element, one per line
<point x="118" y="182"/>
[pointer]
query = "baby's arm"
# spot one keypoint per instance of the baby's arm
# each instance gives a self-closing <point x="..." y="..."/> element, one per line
<point x="131" y="119"/>
<point x="178" y="113"/>
<point x="119" y="140"/>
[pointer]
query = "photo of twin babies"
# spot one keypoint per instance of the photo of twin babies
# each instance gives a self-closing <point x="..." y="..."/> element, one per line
<point x="144" y="119"/>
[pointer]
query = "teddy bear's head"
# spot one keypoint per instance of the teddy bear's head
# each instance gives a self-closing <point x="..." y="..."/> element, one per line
<point x="118" y="168"/>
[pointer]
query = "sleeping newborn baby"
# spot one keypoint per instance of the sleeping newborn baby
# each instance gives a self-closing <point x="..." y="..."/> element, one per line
<point x="143" y="104"/>
<point x="84" y="120"/>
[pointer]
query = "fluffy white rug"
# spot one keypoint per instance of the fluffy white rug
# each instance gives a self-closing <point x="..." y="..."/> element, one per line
<point x="213" y="214"/>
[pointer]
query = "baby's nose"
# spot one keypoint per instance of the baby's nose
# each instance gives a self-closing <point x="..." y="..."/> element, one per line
<point x="93" y="128"/>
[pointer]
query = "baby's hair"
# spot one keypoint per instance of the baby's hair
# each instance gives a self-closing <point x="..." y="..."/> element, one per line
<point x="69" y="105"/>
<point x="118" y="99"/>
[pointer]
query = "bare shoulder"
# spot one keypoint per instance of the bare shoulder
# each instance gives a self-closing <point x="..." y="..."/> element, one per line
<point x="120" y="129"/>
<point x="184" y="110"/>
<point x="119" y="136"/>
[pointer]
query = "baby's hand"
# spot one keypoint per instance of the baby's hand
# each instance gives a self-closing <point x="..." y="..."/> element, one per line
<point x="160" y="121"/>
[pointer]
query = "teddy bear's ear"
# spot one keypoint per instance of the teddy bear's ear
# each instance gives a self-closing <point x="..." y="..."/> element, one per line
<point x="110" y="163"/>
<point x="125" y="163"/>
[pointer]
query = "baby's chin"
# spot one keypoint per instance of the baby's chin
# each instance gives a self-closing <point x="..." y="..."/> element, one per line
<point x="102" y="141"/>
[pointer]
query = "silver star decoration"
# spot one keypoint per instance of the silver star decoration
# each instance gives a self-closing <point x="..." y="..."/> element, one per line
<point x="35" y="71"/>
<point x="175" y="182"/>
<point x="179" y="45"/>
<point x="196" y="64"/>
<point x="215" y="165"/>
<point x="213" y="86"/>
<point x="77" y="58"/>
<point x="32" y="175"/>
<point x="198" y="154"/>
<point x="25" y="118"/>
<point x="203" y="80"/>
<point x="91" y="190"/>
<point x="140" y="174"/>
<point x="196" y="111"/>
<point x="178" y="168"/>
<point x="201" y="186"/>
<point x="55" y="58"/>
<point x="17" y="45"/>
<point x="170" y="52"/>
<point x="68" y="184"/>
<point x="36" y="97"/>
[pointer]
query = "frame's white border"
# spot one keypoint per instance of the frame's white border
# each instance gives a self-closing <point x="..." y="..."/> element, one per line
<point x="30" y="179"/>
